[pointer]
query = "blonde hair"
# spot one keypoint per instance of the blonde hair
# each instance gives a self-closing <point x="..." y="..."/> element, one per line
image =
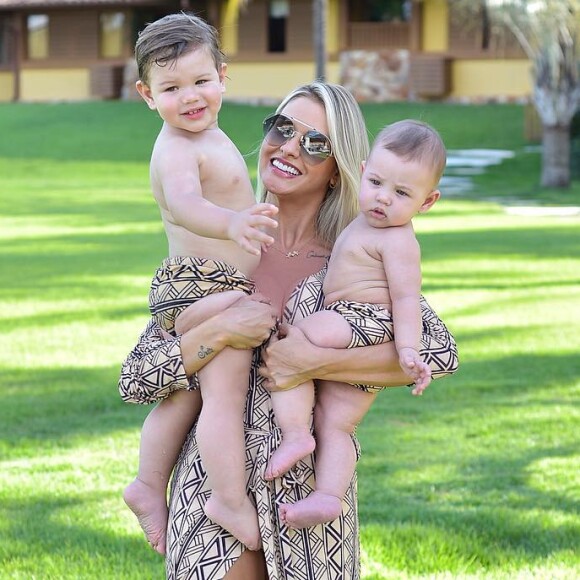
<point x="350" y="147"/>
<point x="414" y="141"/>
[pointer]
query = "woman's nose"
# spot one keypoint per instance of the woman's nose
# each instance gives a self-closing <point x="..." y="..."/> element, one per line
<point x="292" y="146"/>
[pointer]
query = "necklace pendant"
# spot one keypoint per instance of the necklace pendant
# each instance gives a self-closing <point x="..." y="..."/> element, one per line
<point x="292" y="254"/>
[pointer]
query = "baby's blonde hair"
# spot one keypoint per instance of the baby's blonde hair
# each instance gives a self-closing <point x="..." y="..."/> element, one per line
<point x="414" y="141"/>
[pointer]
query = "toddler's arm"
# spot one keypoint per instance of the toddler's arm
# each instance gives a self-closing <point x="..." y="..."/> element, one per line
<point x="176" y="175"/>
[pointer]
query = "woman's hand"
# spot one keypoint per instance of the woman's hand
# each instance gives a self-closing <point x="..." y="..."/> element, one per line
<point x="248" y="322"/>
<point x="289" y="359"/>
<point x="244" y="324"/>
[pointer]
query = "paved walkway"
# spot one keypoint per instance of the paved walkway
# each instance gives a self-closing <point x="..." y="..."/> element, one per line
<point x="463" y="164"/>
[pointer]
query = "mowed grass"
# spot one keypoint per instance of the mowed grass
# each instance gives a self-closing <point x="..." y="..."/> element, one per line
<point x="476" y="479"/>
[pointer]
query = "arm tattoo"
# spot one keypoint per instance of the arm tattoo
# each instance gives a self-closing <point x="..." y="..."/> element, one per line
<point x="204" y="351"/>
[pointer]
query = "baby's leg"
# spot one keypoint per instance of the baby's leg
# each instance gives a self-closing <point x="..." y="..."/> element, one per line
<point x="162" y="437"/>
<point x="293" y="411"/>
<point x="204" y="308"/>
<point x="339" y="409"/>
<point x="220" y="437"/>
<point x="293" y="408"/>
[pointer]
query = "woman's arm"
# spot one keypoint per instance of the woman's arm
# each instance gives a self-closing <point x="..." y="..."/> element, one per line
<point x="158" y="366"/>
<point x="246" y="324"/>
<point x="294" y="360"/>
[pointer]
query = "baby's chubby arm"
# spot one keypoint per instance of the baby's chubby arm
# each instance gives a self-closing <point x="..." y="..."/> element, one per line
<point x="402" y="263"/>
<point x="176" y="178"/>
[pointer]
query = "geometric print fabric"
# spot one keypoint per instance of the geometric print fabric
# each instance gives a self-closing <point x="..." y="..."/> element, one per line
<point x="197" y="549"/>
<point x="182" y="280"/>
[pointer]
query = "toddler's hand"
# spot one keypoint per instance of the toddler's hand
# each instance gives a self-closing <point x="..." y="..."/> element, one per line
<point x="413" y="365"/>
<point x="247" y="227"/>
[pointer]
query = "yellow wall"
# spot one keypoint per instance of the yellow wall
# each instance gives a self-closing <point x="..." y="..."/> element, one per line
<point x="332" y="26"/>
<point x="51" y="85"/>
<point x="6" y="87"/>
<point x="470" y="78"/>
<point x="435" y="26"/>
<point x="491" y="78"/>
<point x="228" y="28"/>
<point x="271" y="80"/>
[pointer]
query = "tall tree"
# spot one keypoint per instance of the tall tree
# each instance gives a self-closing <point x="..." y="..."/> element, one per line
<point x="549" y="33"/>
<point x="319" y="8"/>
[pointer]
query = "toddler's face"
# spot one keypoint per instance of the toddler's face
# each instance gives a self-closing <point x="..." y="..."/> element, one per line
<point x="186" y="93"/>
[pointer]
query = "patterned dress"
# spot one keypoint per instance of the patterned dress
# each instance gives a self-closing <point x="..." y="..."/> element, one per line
<point x="197" y="549"/>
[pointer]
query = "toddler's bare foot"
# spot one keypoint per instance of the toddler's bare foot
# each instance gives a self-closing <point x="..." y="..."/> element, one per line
<point x="241" y="522"/>
<point x="150" y="507"/>
<point x="295" y="446"/>
<point x="317" y="508"/>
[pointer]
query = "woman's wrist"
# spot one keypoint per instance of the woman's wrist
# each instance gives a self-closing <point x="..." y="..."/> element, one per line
<point x="200" y="344"/>
<point x="373" y="365"/>
<point x="323" y="363"/>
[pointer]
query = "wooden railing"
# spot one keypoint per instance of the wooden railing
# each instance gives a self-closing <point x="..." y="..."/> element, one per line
<point x="378" y="35"/>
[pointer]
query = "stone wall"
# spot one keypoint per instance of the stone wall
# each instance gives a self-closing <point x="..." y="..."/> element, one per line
<point x="376" y="77"/>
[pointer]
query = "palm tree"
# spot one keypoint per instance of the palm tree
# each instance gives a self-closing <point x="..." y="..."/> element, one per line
<point x="549" y="33"/>
<point x="319" y="8"/>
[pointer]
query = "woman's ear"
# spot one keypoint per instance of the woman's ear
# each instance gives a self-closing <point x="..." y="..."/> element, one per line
<point x="334" y="180"/>
<point x="145" y="92"/>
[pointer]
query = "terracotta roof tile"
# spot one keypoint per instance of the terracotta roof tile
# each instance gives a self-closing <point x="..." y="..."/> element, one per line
<point x="28" y="4"/>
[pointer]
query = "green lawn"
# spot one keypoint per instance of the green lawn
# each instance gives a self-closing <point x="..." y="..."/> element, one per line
<point x="477" y="479"/>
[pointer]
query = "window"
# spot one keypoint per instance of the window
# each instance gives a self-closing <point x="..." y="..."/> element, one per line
<point x="380" y="10"/>
<point x="37" y="36"/>
<point x="5" y="40"/>
<point x="278" y="12"/>
<point x="112" y="34"/>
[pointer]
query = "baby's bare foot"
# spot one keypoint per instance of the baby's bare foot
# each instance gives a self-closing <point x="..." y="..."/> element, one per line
<point x="317" y="508"/>
<point x="150" y="507"/>
<point x="241" y="522"/>
<point x="295" y="446"/>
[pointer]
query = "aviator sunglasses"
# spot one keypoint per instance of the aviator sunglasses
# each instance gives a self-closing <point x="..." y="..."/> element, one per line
<point x="278" y="129"/>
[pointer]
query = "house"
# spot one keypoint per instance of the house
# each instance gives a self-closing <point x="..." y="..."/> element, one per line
<point x="381" y="49"/>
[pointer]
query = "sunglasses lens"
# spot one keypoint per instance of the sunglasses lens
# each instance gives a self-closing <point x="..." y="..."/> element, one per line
<point x="315" y="146"/>
<point x="278" y="129"/>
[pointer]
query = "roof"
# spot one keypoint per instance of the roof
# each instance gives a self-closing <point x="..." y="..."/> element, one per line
<point x="37" y="4"/>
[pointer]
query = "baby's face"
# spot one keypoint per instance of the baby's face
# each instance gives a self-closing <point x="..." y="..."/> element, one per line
<point x="186" y="93"/>
<point x="394" y="190"/>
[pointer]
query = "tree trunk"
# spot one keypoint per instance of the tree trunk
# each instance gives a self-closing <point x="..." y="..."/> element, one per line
<point x="556" y="156"/>
<point x="319" y="34"/>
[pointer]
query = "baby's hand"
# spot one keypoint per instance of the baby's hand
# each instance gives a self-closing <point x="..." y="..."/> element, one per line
<point x="247" y="227"/>
<point x="413" y="365"/>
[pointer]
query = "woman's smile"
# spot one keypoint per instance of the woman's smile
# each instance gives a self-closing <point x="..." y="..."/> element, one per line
<point x="284" y="167"/>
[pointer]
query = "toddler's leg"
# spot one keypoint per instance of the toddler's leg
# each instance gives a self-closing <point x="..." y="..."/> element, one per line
<point x="339" y="409"/>
<point x="293" y="408"/>
<point x="293" y="411"/>
<point x="204" y="308"/>
<point x="220" y="437"/>
<point x="162" y="437"/>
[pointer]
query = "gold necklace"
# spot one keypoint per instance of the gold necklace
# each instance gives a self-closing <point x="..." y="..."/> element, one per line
<point x="294" y="252"/>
